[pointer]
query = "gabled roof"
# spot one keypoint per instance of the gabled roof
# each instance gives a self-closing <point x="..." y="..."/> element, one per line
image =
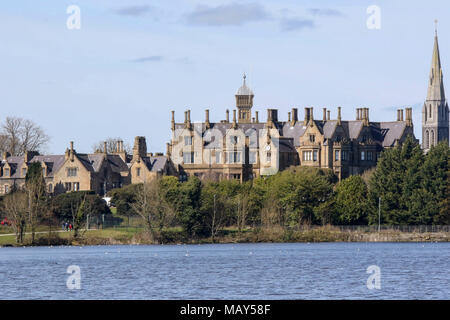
<point x="53" y="163"/>
<point x="93" y="162"/>
<point x="391" y="131"/>
<point x="295" y="131"/>
<point x="156" y="163"/>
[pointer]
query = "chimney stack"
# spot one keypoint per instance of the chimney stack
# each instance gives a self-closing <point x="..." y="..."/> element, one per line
<point x="173" y="120"/>
<point x="207" y="124"/>
<point x="71" y="151"/>
<point x="234" y="126"/>
<point x="324" y="114"/>
<point x="5" y="155"/>
<point x="256" y="115"/>
<point x="339" y="116"/>
<point x="311" y="113"/>
<point x="294" y="116"/>
<point x="408" y="117"/>
<point x="105" y="147"/>
<point x="227" y="119"/>
<point x="289" y="117"/>
<point x="328" y="114"/>
<point x="366" y="116"/>
<point x="139" y="148"/>
<point x="305" y="122"/>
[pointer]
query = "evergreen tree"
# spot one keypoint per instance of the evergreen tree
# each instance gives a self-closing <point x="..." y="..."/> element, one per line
<point x="352" y="203"/>
<point x="395" y="179"/>
<point x="432" y="194"/>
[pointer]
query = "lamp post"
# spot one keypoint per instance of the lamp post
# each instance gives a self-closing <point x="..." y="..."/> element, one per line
<point x="213" y="220"/>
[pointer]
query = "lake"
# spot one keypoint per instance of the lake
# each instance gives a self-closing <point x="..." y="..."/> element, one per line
<point x="228" y="271"/>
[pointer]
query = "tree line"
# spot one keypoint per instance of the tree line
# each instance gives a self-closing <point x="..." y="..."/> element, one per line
<point x="407" y="187"/>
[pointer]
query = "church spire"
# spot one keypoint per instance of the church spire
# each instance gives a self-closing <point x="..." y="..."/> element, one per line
<point x="436" y="84"/>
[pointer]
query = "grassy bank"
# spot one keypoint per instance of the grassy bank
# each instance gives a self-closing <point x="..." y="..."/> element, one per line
<point x="230" y="235"/>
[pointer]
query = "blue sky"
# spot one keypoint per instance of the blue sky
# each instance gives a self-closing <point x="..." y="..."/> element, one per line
<point x="134" y="61"/>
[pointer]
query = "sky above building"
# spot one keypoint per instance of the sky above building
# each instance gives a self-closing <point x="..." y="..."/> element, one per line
<point x="132" y="62"/>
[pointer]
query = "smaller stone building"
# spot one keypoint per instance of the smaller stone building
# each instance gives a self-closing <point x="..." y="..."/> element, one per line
<point x="100" y="171"/>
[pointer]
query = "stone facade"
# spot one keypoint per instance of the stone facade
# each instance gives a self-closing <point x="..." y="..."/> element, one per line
<point x="243" y="148"/>
<point x="73" y="171"/>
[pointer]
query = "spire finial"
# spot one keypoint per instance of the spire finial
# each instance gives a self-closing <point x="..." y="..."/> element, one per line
<point x="244" y="77"/>
<point x="435" y="26"/>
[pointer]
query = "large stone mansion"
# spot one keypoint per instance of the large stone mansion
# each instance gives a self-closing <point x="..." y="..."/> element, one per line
<point x="242" y="147"/>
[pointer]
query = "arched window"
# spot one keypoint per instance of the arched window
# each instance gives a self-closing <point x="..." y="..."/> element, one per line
<point x="432" y="138"/>
<point x="50" y="188"/>
<point x="430" y="112"/>
<point x="427" y="139"/>
<point x="426" y="113"/>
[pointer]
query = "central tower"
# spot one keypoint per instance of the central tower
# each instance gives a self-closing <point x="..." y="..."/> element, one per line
<point x="435" y="109"/>
<point x="244" y="103"/>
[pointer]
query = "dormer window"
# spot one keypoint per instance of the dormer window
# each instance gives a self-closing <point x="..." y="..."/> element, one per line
<point x="24" y="172"/>
<point x="312" y="138"/>
<point x="6" y="172"/>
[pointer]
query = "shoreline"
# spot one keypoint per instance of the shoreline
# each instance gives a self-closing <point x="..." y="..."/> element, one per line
<point x="277" y="235"/>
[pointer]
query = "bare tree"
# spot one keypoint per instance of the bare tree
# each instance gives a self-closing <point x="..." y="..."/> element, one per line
<point x="217" y="209"/>
<point x="16" y="209"/>
<point x="79" y="211"/>
<point x="19" y="135"/>
<point x="242" y="211"/>
<point x="152" y="207"/>
<point x="111" y="146"/>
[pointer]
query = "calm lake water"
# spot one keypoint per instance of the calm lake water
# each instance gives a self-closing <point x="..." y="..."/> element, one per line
<point x="228" y="271"/>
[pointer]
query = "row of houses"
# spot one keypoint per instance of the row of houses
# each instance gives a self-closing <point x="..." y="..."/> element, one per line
<point x="100" y="171"/>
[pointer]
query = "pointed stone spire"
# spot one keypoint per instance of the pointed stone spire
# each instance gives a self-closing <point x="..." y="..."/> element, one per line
<point x="436" y="84"/>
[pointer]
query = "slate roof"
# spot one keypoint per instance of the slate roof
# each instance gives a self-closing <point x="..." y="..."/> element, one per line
<point x="384" y="133"/>
<point x="53" y="163"/>
<point x="155" y="163"/>
<point x="391" y="131"/>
